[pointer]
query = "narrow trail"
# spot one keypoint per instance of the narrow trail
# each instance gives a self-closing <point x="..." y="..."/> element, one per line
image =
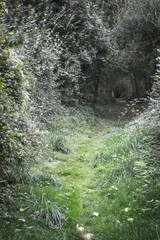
<point x="75" y="172"/>
<point x="77" y="182"/>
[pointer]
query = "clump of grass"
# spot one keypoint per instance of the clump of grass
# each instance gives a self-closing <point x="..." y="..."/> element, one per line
<point x="49" y="144"/>
<point x="51" y="213"/>
<point x="70" y="125"/>
<point x="74" y="120"/>
<point x="59" y="144"/>
<point x="33" y="213"/>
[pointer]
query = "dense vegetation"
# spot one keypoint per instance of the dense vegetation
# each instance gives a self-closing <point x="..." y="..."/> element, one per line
<point x="68" y="153"/>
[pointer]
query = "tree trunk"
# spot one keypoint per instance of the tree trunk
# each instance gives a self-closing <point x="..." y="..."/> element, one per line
<point x="96" y="88"/>
<point x="149" y="84"/>
<point x="136" y="85"/>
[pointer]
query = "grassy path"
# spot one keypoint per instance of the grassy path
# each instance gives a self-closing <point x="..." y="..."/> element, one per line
<point x="102" y="187"/>
<point x="104" y="200"/>
<point x="105" y="186"/>
<point x="58" y="181"/>
<point x="74" y="172"/>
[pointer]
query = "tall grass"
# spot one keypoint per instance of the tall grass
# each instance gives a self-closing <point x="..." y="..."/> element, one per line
<point x="65" y="129"/>
<point x="127" y="179"/>
<point x="31" y="205"/>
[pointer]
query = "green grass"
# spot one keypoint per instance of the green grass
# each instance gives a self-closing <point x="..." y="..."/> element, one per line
<point x="109" y="169"/>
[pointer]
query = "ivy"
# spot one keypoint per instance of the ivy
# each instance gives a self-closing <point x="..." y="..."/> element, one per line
<point x="11" y="141"/>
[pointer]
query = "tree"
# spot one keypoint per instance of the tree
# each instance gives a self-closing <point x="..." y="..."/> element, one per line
<point x="135" y="38"/>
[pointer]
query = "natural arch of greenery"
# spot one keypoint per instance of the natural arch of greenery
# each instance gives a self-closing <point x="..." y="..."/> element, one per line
<point x="79" y="119"/>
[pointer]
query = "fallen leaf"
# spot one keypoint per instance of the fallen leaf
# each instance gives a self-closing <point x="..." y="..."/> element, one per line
<point x="130" y="219"/>
<point x="22" y="220"/>
<point x="81" y="229"/>
<point x="87" y="236"/>
<point x="118" y="223"/>
<point x="96" y="214"/>
<point x="30" y="227"/>
<point x="22" y="209"/>
<point x="127" y="209"/>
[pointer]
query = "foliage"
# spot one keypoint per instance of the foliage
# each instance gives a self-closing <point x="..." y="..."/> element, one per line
<point x="54" y="56"/>
<point x="11" y="141"/>
<point x="89" y="51"/>
<point x="127" y="174"/>
<point x="135" y="39"/>
<point x="36" y="194"/>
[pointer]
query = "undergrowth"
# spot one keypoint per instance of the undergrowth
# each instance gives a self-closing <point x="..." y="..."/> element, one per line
<point x="30" y="196"/>
<point x="127" y="179"/>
